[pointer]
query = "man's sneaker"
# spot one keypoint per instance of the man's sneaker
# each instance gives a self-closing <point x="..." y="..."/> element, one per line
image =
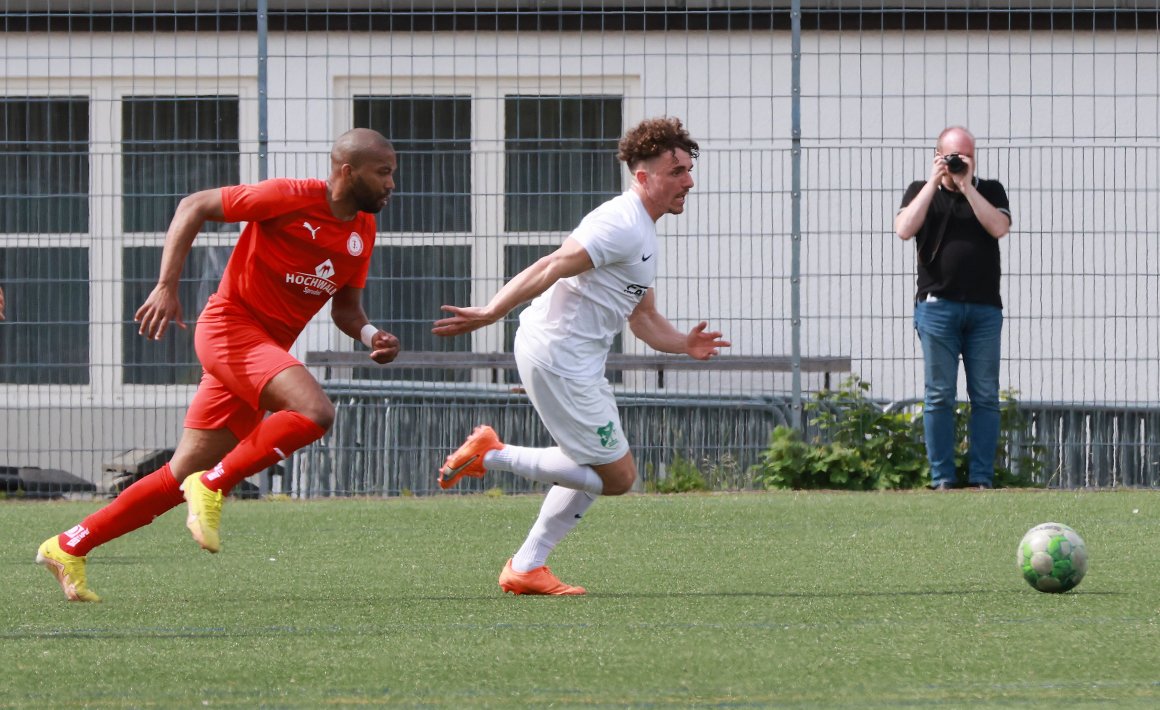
<point x="468" y="458"/>
<point x="537" y="581"/>
<point x="205" y="512"/>
<point x="68" y="569"/>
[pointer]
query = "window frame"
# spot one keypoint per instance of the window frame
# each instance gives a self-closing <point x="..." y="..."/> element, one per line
<point x="74" y="97"/>
<point x="455" y="98"/>
<point x="78" y="320"/>
<point x="47" y="395"/>
<point x="550" y="200"/>
<point x="124" y="102"/>
<point x="112" y="382"/>
<point x="106" y="357"/>
<point x="488" y="235"/>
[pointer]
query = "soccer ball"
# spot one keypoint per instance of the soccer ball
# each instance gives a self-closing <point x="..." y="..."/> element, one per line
<point x="1052" y="557"/>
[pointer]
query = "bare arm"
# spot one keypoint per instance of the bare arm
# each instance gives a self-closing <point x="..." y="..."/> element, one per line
<point x="346" y="310"/>
<point x="647" y="323"/>
<point x="995" y="222"/>
<point x="910" y="218"/>
<point x="162" y="305"/>
<point x="569" y="260"/>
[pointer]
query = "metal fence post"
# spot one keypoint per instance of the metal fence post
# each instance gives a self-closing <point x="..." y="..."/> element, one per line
<point x="263" y="93"/>
<point x="263" y="145"/>
<point x="796" y="207"/>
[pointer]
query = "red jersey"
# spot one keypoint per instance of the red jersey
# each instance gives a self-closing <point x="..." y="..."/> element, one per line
<point x="293" y="255"/>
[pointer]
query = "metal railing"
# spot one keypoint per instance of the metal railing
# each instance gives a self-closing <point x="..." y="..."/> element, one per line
<point x="1086" y="445"/>
<point x="391" y="439"/>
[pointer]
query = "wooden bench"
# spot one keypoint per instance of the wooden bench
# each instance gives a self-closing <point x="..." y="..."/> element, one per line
<point x="497" y="362"/>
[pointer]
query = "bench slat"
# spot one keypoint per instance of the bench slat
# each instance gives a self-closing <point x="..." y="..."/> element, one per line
<point x="616" y="361"/>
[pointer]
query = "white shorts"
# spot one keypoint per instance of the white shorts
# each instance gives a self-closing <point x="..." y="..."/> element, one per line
<point x="580" y="415"/>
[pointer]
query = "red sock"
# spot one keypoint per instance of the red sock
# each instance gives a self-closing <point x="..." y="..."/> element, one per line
<point x="135" y="507"/>
<point x="278" y="436"/>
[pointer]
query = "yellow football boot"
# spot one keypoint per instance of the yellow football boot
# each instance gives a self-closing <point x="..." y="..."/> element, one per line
<point x="68" y="569"/>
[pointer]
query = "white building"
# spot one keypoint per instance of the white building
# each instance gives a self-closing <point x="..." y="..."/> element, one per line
<point x="506" y="119"/>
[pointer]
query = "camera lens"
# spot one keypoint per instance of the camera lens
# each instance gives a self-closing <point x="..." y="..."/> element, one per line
<point x="955" y="164"/>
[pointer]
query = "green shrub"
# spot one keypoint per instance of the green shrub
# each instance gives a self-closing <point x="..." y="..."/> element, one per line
<point x="1018" y="460"/>
<point x="681" y="476"/>
<point x="861" y="446"/>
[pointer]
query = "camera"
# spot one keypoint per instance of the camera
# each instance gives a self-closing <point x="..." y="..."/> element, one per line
<point x="955" y="164"/>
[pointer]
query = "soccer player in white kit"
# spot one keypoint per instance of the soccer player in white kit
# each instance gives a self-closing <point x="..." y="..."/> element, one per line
<point x="600" y="278"/>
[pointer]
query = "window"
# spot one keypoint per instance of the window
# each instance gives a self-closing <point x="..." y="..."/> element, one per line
<point x="44" y="165"/>
<point x="432" y="136"/>
<point x="516" y="258"/>
<point x="405" y="289"/>
<point x="174" y="146"/>
<point x="560" y="159"/>
<point x="45" y="339"/>
<point x="171" y="360"/>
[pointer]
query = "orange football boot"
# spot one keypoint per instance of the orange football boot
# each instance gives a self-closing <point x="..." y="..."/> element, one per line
<point x="468" y="458"/>
<point x="537" y="581"/>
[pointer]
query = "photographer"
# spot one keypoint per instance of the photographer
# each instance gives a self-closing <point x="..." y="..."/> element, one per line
<point x="958" y="220"/>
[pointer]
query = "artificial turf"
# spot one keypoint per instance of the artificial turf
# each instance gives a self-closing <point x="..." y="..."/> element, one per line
<point x="820" y="600"/>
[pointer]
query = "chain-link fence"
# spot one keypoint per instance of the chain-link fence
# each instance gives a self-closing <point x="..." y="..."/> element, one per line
<point x="812" y="118"/>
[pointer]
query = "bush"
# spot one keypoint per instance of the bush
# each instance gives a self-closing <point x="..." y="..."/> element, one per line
<point x="860" y="446"/>
<point x="681" y="476"/>
<point x="1018" y="461"/>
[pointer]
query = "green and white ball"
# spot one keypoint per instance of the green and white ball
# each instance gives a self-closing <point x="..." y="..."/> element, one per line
<point x="1052" y="557"/>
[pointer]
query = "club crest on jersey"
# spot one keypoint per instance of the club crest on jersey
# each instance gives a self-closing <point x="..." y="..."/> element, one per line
<point x="354" y="244"/>
<point x="317" y="283"/>
<point x="607" y="434"/>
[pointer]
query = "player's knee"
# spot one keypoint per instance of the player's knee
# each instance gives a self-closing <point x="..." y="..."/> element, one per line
<point x="321" y="413"/>
<point x="620" y="483"/>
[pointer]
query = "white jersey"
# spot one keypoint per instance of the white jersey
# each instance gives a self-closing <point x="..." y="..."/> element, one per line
<point x="569" y="329"/>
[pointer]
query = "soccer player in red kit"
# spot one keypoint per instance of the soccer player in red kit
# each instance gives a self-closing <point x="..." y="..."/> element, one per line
<point x="306" y="242"/>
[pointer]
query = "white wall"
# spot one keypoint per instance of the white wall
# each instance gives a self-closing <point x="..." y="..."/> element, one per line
<point x="1068" y="121"/>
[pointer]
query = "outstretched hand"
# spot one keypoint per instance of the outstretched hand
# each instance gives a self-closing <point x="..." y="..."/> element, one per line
<point x="701" y="345"/>
<point x="160" y="308"/>
<point x="462" y="320"/>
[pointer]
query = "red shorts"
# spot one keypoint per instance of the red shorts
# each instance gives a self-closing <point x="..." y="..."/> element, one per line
<point x="238" y="358"/>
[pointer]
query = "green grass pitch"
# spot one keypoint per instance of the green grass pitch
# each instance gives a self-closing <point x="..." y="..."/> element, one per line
<point x="797" y="600"/>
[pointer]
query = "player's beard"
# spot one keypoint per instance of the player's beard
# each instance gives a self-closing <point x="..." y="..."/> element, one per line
<point x="367" y="199"/>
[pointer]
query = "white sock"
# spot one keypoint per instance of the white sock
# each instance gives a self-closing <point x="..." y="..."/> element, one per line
<point x="562" y="509"/>
<point x="545" y="466"/>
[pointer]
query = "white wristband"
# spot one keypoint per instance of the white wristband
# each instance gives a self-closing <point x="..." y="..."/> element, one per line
<point x="367" y="335"/>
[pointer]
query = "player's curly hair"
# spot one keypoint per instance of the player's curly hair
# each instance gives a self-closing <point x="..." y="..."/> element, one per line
<point x="654" y="136"/>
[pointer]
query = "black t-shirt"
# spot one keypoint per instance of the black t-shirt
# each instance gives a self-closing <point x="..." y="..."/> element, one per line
<point x="964" y="264"/>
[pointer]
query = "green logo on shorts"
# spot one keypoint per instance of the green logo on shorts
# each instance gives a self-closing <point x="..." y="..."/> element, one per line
<point x="607" y="435"/>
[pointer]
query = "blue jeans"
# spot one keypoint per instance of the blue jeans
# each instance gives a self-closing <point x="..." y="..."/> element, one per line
<point x="947" y="330"/>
